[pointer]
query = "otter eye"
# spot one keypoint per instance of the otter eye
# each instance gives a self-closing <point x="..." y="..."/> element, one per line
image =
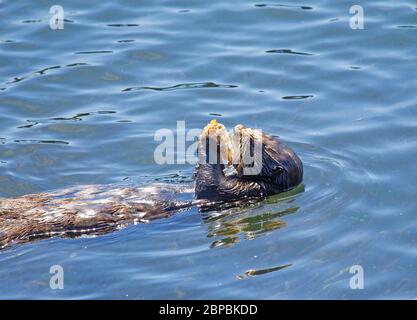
<point x="277" y="169"/>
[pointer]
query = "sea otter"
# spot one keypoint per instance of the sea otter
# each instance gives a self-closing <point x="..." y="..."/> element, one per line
<point x="224" y="177"/>
<point x="278" y="167"/>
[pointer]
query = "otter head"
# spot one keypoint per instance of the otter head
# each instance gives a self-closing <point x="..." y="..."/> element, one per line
<point x="245" y="164"/>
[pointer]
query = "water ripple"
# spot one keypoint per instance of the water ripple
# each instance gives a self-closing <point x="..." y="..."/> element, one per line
<point x="125" y="41"/>
<point x="407" y="27"/>
<point x="258" y="272"/>
<point x="43" y="72"/>
<point x="195" y="85"/>
<point x="299" y="97"/>
<point x="94" y="52"/>
<point x="289" y="51"/>
<point x="262" y="5"/>
<point x="120" y="25"/>
<point x="41" y="141"/>
<point x="77" y="117"/>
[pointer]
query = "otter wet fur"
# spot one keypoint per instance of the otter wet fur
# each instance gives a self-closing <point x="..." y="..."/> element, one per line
<point x="97" y="209"/>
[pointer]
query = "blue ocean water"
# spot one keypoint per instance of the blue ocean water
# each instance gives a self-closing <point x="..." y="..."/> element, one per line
<point x="81" y="105"/>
